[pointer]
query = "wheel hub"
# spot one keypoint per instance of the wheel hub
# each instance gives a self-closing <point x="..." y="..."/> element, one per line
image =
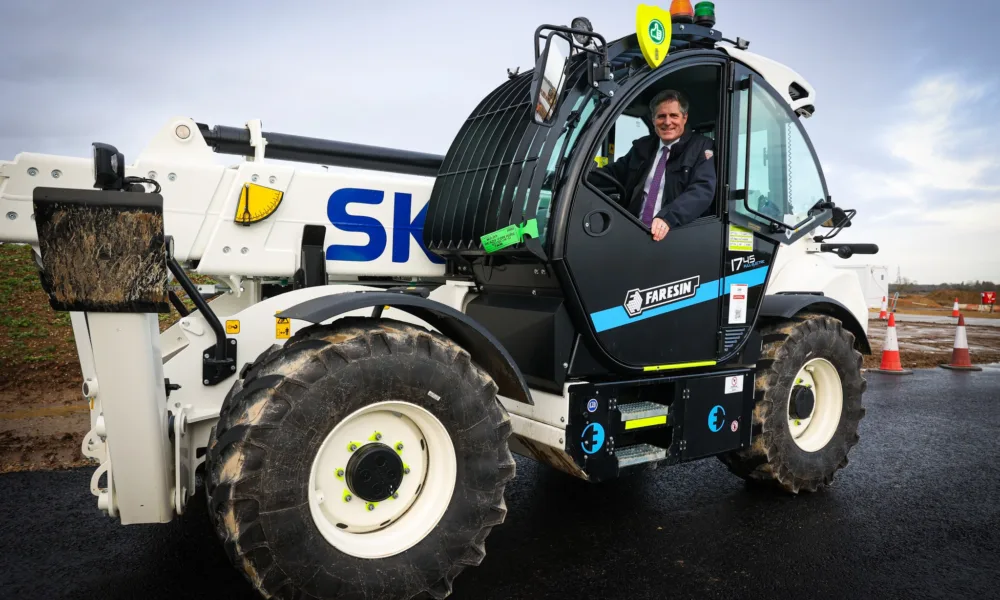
<point x="382" y="479"/>
<point x="815" y="404"/>
<point x="802" y="402"/>
<point x="374" y="472"/>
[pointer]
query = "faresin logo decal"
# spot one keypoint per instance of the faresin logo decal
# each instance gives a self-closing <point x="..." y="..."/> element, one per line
<point x="637" y="301"/>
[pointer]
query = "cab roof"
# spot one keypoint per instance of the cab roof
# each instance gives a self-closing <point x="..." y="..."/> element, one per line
<point x="793" y="87"/>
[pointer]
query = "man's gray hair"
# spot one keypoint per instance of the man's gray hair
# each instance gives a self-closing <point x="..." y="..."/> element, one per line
<point x="666" y="96"/>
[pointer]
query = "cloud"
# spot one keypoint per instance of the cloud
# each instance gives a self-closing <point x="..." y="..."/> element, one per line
<point x="940" y="141"/>
<point x="940" y="144"/>
<point x="941" y="246"/>
<point x="971" y="216"/>
<point x="932" y="202"/>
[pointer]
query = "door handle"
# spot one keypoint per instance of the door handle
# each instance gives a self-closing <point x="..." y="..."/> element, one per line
<point x="597" y="222"/>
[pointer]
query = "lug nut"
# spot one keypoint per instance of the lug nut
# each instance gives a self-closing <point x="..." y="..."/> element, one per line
<point x="340" y="472"/>
<point x="353" y="447"/>
<point x="406" y="471"/>
<point x="378" y="436"/>
<point x="347" y="498"/>
<point x="399" y="446"/>
<point x="371" y="507"/>
<point x="395" y="495"/>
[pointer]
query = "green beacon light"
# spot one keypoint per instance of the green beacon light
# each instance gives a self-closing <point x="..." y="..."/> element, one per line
<point x="704" y="14"/>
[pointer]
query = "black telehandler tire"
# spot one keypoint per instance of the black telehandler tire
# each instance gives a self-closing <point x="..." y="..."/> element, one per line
<point x="364" y="459"/>
<point x="808" y="405"/>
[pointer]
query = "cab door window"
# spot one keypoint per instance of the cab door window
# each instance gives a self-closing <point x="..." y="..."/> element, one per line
<point x="626" y="130"/>
<point x="785" y="180"/>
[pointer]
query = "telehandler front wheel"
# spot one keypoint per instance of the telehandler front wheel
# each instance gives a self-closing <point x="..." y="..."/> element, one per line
<point x="363" y="459"/>
<point x="808" y="405"/>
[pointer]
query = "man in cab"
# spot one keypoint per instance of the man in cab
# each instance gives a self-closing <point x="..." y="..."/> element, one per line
<point x="669" y="176"/>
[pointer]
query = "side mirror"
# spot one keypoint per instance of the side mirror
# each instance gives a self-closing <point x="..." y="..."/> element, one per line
<point x="839" y="219"/>
<point x="550" y="78"/>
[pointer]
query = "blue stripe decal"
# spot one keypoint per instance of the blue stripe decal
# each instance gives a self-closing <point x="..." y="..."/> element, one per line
<point x="611" y="318"/>
<point x="753" y="278"/>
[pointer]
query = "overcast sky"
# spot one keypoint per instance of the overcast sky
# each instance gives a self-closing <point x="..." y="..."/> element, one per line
<point x="907" y="90"/>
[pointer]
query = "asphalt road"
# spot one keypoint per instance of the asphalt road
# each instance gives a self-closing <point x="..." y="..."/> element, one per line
<point x="915" y="515"/>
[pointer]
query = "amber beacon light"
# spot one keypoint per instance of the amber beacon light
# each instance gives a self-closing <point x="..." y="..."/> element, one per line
<point x="681" y="11"/>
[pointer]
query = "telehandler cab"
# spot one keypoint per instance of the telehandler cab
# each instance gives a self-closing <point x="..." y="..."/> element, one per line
<point x="375" y="348"/>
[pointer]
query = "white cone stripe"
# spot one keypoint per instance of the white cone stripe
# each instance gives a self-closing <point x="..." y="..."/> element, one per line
<point x="890" y="339"/>
<point x="961" y="341"/>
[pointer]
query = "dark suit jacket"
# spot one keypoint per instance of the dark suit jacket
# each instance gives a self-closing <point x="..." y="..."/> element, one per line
<point x="689" y="180"/>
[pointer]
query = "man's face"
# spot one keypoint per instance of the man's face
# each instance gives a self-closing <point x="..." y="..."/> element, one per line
<point x="669" y="120"/>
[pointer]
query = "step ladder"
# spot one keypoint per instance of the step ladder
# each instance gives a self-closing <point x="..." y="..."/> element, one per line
<point x="639" y="454"/>
<point x="638" y="415"/>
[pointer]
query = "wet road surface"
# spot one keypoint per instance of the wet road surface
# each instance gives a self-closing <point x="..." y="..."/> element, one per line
<point x="915" y="515"/>
<point x="944" y="319"/>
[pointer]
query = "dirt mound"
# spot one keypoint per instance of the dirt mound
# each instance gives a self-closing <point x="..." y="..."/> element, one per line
<point x="946" y="298"/>
<point x="43" y="415"/>
<point x="916" y="301"/>
<point x="929" y="360"/>
<point x="42" y="450"/>
<point x="927" y="345"/>
<point x="42" y="430"/>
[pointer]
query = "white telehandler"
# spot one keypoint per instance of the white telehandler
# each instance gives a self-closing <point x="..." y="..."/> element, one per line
<point x="380" y="340"/>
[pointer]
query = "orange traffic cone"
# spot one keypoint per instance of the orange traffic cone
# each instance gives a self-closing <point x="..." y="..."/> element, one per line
<point x="885" y="308"/>
<point x="960" y="359"/>
<point x="954" y="310"/>
<point x="890" y="352"/>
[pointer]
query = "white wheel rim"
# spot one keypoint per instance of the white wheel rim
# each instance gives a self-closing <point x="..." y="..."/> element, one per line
<point x="815" y="432"/>
<point x="395" y="524"/>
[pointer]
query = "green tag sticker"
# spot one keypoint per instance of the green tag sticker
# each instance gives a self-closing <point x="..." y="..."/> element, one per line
<point x="740" y="240"/>
<point x="508" y="236"/>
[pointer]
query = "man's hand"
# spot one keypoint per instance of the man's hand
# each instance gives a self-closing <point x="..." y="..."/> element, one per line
<point x="660" y="229"/>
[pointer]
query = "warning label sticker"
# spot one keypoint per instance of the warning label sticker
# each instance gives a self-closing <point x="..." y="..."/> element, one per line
<point x="740" y="240"/>
<point x="282" y="328"/>
<point x="734" y="385"/>
<point x="738" y="303"/>
<point x="232" y="326"/>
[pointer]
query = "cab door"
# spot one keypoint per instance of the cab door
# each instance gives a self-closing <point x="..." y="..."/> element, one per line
<point x="778" y="186"/>
<point x="777" y="190"/>
<point x="647" y="305"/>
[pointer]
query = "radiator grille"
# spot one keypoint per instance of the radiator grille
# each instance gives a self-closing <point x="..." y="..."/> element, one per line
<point x="494" y="173"/>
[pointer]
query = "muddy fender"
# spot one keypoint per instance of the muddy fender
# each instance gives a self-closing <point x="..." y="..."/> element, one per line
<point x="485" y="349"/>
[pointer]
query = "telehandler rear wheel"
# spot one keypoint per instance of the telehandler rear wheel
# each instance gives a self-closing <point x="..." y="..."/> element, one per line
<point x="808" y="405"/>
<point x="364" y="459"/>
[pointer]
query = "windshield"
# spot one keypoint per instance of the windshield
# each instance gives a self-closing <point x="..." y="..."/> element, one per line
<point x="562" y="150"/>
<point x="785" y="179"/>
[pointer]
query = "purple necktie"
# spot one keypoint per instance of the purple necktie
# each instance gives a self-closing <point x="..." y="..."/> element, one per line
<point x="654" y="189"/>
